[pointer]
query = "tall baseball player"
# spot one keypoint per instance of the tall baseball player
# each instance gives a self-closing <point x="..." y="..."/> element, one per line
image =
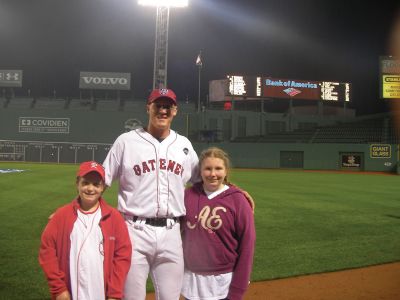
<point x="153" y="164"/>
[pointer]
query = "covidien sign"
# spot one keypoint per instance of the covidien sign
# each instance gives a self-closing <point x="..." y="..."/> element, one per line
<point x="43" y="125"/>
<point x="104" y="81"/>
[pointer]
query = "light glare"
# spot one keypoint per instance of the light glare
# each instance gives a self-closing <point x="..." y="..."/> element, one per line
<point x="167" y="3"/>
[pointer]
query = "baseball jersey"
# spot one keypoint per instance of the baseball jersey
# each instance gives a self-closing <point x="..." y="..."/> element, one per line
<point x="152" y="174"/>
<point x="86" y="257"/>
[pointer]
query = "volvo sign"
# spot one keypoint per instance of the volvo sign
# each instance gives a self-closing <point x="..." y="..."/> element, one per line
<point x="105" y="81"/>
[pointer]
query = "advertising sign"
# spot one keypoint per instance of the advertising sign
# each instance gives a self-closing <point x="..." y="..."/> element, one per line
<point x="351" y="161"/>
<point x="10" y="78"/>
<point x="104" y="81"/>
<point x="43" y="125"/>
<point x="380" y="151"/>
<point x="291" y="89"/>
<point x="389" y="69"/>
<point x="391" y="86"/>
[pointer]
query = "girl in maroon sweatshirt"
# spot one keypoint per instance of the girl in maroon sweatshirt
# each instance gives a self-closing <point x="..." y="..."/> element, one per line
<point x="218" y="234"/>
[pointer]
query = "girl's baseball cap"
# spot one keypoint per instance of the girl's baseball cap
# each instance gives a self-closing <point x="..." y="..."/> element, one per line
<point x="90" y="166"/>
<point x="162" y="93"/>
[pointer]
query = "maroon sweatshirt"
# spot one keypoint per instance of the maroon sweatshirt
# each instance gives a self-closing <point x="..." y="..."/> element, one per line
<point x="219" y="236"/>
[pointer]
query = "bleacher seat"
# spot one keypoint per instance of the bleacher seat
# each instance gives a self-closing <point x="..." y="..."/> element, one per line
<point x="80" y="104"/>
<point x="3" y="102"/>
<point x="107" y="105"/>
<point x="20" y="103"/>
<point x="363" y="131"/>
<point x="129" y="105"/>
<point x="48" y="103"/>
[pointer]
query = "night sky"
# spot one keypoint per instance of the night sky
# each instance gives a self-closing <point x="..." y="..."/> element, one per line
<point x="52" y="40"/>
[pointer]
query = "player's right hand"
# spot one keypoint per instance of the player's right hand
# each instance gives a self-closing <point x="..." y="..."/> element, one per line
<point x="64" y="296"/>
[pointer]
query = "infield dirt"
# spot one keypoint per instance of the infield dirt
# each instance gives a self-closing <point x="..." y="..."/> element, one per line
<point x="380" y="282"/>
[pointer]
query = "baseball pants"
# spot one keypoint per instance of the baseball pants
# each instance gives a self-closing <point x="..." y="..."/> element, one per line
<point x="158" y="251"/>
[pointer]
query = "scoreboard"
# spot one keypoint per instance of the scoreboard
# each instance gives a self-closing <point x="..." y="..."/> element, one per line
<point x="246" y="86"/>
<point x="335" y="91"/>
<point x="257" y="87"/>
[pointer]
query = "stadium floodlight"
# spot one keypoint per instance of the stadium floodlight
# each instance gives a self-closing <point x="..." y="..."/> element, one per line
<point x="161" y="44"/>
<point x="166" y="3"/>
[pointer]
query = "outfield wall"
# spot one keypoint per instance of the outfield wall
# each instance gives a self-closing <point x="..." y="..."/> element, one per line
<point x="356" y="157"/>
<point x="67" y="136"/>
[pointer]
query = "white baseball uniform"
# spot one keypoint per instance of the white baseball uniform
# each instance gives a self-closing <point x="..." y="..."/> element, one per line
<point x="152" y="177"/>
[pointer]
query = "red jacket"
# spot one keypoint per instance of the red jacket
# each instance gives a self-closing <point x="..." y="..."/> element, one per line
<point x="55" y="248"/>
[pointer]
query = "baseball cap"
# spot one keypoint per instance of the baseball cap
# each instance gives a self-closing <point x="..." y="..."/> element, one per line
<point x="90" y="166"/>
<point x="162" y="93"/>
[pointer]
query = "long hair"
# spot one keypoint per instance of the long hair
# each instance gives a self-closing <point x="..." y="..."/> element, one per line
<point x="217" y="153"/>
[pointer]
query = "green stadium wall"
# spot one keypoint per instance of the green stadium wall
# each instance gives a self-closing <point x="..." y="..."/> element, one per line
<point x="314" y="156"/>
<point x="98" y="127"/>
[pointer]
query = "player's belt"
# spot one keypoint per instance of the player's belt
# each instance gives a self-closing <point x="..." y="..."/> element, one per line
<point x="157" y="222"/>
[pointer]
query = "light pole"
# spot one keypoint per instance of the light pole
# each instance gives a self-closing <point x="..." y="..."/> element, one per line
<point x="161" y="41"/>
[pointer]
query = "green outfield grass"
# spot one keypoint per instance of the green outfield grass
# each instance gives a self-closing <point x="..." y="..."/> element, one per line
<point x="307" y="222"/>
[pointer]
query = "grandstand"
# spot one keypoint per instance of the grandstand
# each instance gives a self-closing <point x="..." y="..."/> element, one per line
<point x="72" y="130"/>
<point x="366" y="130"/>
<point x="240" y="125"/>
<point x="3" y="102"/>
<point x="130" y="105"/>
<point x="20" y="103"/>
<point x="80" y="104"/>
<point x="362" y="130"/>
<point x="49" y="103"/>
<point x="107" y="105"/>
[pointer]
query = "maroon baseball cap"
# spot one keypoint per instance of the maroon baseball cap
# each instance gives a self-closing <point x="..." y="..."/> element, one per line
<point x="90" y="166"/>
<point x="162" y="93"/>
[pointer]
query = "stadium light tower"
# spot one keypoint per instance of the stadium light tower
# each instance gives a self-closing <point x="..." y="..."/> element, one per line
<point x="161" y="44"/>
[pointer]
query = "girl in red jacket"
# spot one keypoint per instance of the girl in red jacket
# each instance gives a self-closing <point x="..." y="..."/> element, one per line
<point x="85" y="249"/>
<point x="218" y="234"/>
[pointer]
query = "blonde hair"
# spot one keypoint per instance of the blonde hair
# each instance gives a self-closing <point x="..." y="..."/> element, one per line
<point x="216" y="153"/>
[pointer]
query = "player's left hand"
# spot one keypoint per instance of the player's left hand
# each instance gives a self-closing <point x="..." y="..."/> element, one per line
<point x="250" y="200"/>
<point x="247" y="195"/>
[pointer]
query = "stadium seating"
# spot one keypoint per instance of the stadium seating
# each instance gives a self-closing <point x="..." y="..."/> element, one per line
<point x="366" y="130"/>
<point x="363" y="131"/>
<point x="20" y="103"/>
<point x="80" y="104"/>
<point x="136" y="106"/>
<point x="49" y="103"/>
<point x="298" y="136"/>
<point x="107" y="105"/>
<point x="3" y="102"/>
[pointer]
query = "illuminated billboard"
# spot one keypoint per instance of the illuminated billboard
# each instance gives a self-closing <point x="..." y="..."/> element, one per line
<point x="306" y="90"/>
<point x="245" y="86"/>
<point x="389" y="77"/>
<point x="334" y="91"/>
<point x="290" y="89"/>
<point x="240" y="87"/>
